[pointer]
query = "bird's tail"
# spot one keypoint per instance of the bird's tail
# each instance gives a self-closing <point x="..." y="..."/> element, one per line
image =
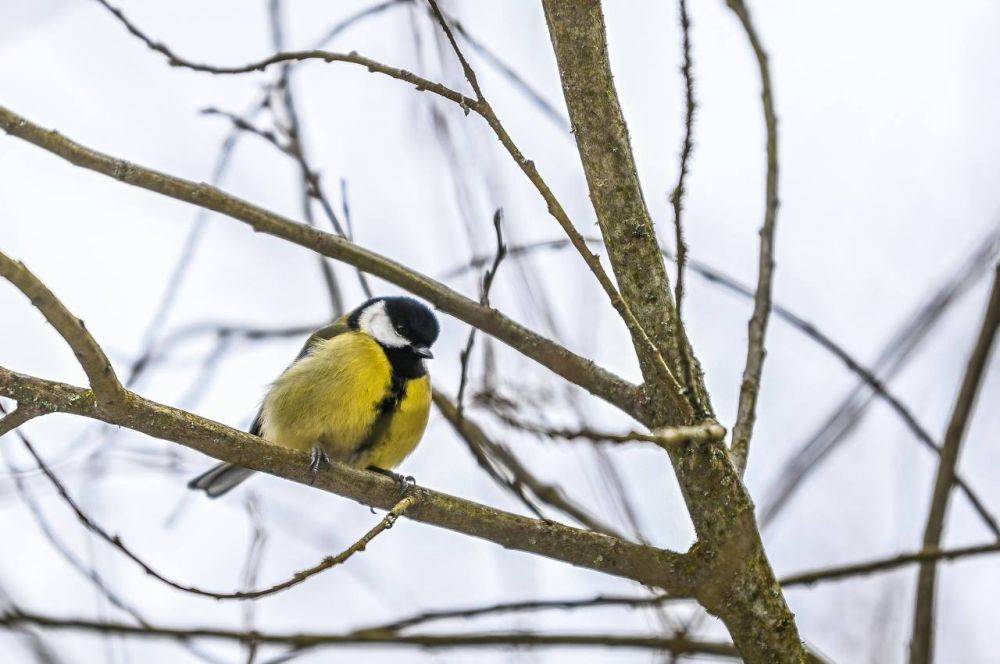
<point x="219" y="479"/>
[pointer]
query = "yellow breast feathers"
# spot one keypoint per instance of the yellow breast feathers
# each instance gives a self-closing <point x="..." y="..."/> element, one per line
<point x="334" y="397"/>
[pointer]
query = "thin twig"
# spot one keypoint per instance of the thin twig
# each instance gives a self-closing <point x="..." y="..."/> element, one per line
<point x="484" y="300"/>
<point x="529" y="606"/>
<point x="750" y="386"/>
<point x="14" y="616"/>
<point x="684" y="355"/>
<point x="790" y="581"/>
<point x="521" y="478"/>
<point x="886" y="564"/>
<point x="666" y="438"/>
<point x="922" y="643"/>
<point x="297" y="578"/>
<point x="895" y="352"/>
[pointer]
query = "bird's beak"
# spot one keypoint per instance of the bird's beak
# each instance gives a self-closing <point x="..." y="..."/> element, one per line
<point x="423" y="351"/>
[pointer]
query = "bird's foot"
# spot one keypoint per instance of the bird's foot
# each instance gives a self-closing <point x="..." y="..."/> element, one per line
<point x="404" y="482"/>
<point x="318" y="460"/>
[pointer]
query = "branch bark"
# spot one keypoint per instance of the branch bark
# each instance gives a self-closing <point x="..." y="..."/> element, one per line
<point x="674" y="572"/>
<point x="922" y="643"/>
<point x="743" y="592"/>
<point x="88" y="353"/>
<point x="578" y="38"/>
<point x="746" y="413"/>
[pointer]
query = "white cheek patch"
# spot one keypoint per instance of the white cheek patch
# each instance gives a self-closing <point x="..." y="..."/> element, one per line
<point x="375" y="322"/>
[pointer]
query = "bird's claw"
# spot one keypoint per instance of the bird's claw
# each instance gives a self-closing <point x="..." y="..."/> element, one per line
<point x="318" y="460"/>
<point x="404" y="482"/>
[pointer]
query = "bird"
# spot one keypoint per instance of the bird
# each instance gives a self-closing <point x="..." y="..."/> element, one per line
<point x="358" y="393"/>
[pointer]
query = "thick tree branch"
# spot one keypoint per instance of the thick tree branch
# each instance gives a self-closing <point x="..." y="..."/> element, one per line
<point x="578" y="38"/>
<point x="922" y="643"/>
<point x="745" y="593"/>
<point x="746" y="413"/>
<point x="572" y="367"/>
<point x="92" y="359"/>
<point x="676" y="573"/>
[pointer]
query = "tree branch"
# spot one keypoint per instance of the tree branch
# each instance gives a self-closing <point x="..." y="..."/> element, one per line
<point x="17" y="417"/>
<point x="745" y="593"/>
<point x="572" y="367"/>
<point x="684" y="356"/>
<point x="667" y="437"/>
<point x="16" y="617"/>
<point x="92" y="359"/>
<point x="674" y="572"/>
<point x="922" y="643"/>
<point x="885" y="564"/>
<point x="523" y="478"/>
<point x="299" y="577"/>
<point x="576" y="30"/>
<point x="750" y="388"/>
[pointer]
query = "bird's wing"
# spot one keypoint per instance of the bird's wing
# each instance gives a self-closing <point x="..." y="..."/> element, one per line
<point x="335" y="328"/>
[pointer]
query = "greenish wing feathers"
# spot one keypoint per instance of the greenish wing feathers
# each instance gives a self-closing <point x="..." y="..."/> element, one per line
<point x="332" y="330"/>
<point x="338" y="326"/>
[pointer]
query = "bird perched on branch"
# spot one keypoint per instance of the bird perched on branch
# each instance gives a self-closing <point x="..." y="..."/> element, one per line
<point x="358" y="393"/>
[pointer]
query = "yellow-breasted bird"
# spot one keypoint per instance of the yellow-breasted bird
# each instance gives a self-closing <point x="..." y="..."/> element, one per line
<point x="358" y="393"/>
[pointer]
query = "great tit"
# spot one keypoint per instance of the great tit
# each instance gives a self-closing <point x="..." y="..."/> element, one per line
<point x="357" y="393"/>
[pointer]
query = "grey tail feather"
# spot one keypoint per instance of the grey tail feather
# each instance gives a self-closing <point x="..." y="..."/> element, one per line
<point x="220" y="479"/>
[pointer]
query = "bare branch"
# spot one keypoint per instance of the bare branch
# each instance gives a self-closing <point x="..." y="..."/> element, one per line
<point x="886" y="564"/>
<point x="297" y="578"/>
<point x="750" y="387"/>
<point x="92" y="359"/>
<point x="922" y="643"/>
<point x="685" y="357"/>
<point x="425" y="617"/>
<point x="579" y="42"/>
<point x="174" y="60"/>
<point x="570" y="366"/>
<point x="17" y="417"/>
<point x="14" y="617"/>
<point x="666" y="437"/>
<point x="486" y="450"/>
<point x="675" y="573"/>
<point x="484" y="299"/>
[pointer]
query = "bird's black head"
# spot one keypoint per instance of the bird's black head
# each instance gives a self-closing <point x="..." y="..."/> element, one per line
<point x="400" y="324"/>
